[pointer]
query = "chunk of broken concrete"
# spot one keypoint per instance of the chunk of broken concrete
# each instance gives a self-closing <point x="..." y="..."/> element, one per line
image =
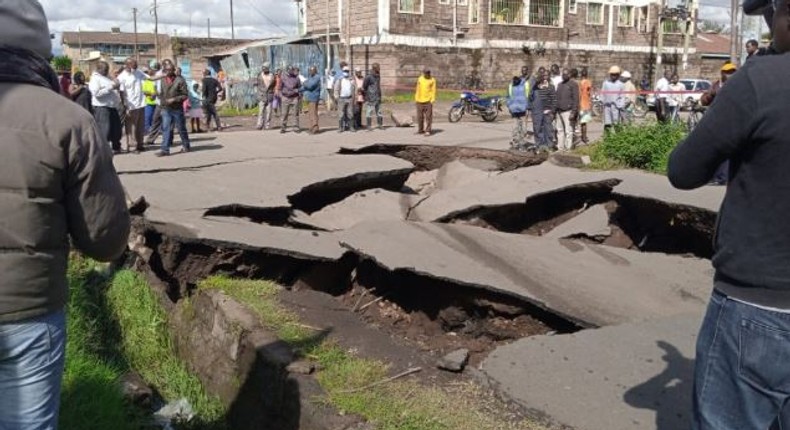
<point x="301" y="367"/>
<point x="135" y="390"/>
<point x="454" y="361"/>
<point x="402" y="120"/>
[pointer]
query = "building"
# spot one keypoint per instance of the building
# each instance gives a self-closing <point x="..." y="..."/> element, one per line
<point x="490" y="40"/>
<point x="713" y="50"/>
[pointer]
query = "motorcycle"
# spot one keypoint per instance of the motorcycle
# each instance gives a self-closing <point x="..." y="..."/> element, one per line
<point x="470" y="103"/>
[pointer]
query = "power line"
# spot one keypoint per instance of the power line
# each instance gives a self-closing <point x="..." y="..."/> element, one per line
<point x="271" y="21"/>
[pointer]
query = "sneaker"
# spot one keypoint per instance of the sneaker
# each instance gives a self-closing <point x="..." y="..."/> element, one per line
<point x="186" y="149"/>
<point x="162" y="154"/>
<point x="282" y="130"/>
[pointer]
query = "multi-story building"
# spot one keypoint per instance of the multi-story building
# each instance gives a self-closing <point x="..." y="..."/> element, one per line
<point x="491" y="39"/>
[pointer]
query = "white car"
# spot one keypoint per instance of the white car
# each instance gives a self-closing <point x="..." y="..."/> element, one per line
<point x="699" y="86"/>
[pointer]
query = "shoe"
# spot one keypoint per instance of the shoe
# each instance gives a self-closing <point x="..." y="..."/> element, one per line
<point x="186" y="149"/>
<point x="282" y="131"/>
<point x="340" y="130"/>
<point x="427" y="134"/>
<point x="298" y="130"/>
<point x="138" y="150"/>
<point x="162" y="154"/>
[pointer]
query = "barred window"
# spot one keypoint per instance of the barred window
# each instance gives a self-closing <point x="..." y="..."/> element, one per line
<point x="643" y="19"/>
<point x="594" y="14"/>
<point x="625" y="16"/>
<point x="527" y="12"/>
<point x="474" y="11"/>
<point x="572" y="6"/>
<point x="410" y="6"/>
<point x="673" y="26"/>
<point x="444" y="1"/>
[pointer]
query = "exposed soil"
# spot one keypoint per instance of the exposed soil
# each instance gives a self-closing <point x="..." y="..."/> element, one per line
<point x="640" y="224"/>
<point x="426" y="157"/>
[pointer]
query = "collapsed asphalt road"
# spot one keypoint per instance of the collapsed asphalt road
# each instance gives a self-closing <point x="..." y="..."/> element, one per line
<point x="515" y="259"/>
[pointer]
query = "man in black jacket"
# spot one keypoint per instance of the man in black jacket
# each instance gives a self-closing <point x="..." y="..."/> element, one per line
<point x="211" y="91"/>
<point x="742" y="372"/>
<point x="567" y="109"/>
<point x="172" y="95"/>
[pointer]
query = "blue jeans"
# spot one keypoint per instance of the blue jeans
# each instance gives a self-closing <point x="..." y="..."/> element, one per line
<point x="149" y="117"/>
<point x="742" y="375"/>
<point x="31" y="368"/>
<point x="170" y="118"/>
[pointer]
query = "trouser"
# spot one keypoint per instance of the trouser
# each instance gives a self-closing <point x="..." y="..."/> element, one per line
<point x="290" y="105"/>
<point x="149" y="118"/>
<point x="611" y="114"/>
<point x="537" y="126"/>
<point x="174" y="118"/>
<point x="210" y="111"/>
<point x="109" y="123"/>
<point x="358" y="114"/>
<point x="156" y="127"/>
<point x="31" y="369"/>
<point x="264" y="114"/>
<point x="374" y="108"/>
<point x="331" y="103"/>
<point x="424" y="117"/>
<point x="546" y="128"/>
<point x="135" y="126"/>
<point x="565" y="139"/>
<point x="345" y="106"/>
<point x="662" y="111"/>
<point x="312" y="116"/>
<point x="741" y="372"/>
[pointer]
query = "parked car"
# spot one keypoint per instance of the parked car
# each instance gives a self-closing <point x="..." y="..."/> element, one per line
<point x="699" y="86"/>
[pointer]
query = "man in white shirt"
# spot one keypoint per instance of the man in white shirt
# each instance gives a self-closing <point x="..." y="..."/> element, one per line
<point x="662" y="108"/>
<point x="105" y="101"/>
<point x="131" y="81"/>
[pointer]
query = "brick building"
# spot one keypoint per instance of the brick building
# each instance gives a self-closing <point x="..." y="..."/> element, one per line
<point x="494" y="38"/>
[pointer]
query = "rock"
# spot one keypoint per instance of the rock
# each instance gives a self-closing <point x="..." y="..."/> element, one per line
<point x="454" y="361"/>
<point x="402" y="120"/>
<point x="135" y="390"/>
<point x="301" y="367"/>
<point x="179" y="411"/>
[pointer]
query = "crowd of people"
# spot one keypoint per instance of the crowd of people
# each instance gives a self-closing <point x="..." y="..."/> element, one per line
<point x="143" y="103"/>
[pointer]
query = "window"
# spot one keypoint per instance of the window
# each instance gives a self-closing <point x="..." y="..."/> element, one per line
<point x="474" y="11"/>
<point x="572" y="6"/>
<point x="673" y="26"/>
<point x="546" y="13"/>
<point x="463" y="2"/>
<point x="625" y="16"/>
<point x="444" y="1"/>
<point x="594" y="14"/>
<point x="643" y="20"/>
<point x="410" y="6"/>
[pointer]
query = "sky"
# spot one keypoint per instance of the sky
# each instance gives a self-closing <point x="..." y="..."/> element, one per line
<point x="253" y="18"/>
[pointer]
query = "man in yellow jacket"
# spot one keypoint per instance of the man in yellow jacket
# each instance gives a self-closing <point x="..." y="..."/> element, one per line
<point x="425" y="96"/>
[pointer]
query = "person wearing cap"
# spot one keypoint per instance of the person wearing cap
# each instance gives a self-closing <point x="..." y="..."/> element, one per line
<point x="265" y="88"/>
<point x="58" y="188"/>
<point x="741" y="370"/>
<point x="345" y="93"/>
<point x="425" y="96"/>
<point x="630" y="89"/>
<point x="359" y="102"/>
<point x="612" y="98"/>
<point x="727" y="70"/>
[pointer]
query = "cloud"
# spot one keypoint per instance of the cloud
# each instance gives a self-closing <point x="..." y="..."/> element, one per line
<point x="252" y="18"/>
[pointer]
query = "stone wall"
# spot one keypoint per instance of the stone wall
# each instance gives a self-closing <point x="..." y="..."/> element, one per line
<point x="710" y="68"/>
<point x="401" y="65"/>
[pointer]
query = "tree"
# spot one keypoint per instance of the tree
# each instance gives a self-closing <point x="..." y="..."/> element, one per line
<point x="708" y="26"/>
<point x="61" y="63"/>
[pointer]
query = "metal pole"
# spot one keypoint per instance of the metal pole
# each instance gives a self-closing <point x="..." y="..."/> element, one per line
<point x="232" y="25"/>
<point x="347" y="3"/>
<point x="328" y="47"/>
<point x="687" y="32"/>
<point x="136" y="51"/>
<point x="660" y="49"/>
<point x="455" y="22"/>
<point x="734" y="31"/>
<point x="208" y="23"/>
<point x="156" y="33"/>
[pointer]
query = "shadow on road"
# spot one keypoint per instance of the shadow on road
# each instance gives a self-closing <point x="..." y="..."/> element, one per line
<point x="668" y="393"/>
<point x="198" y="148"/>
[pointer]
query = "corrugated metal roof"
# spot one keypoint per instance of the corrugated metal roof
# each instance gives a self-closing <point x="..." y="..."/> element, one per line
<point x="267" y="42"/>
<point x="74" y="38"/>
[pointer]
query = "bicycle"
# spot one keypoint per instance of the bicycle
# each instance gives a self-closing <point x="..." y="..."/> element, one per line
<point x="695" y="116"/>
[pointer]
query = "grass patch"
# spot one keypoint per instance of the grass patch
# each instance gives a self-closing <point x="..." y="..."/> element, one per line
<point x="399" y="405"/>
<point x="228" y="110"/>
<point x="645" y="147"/>
<point x="113" y="326"/>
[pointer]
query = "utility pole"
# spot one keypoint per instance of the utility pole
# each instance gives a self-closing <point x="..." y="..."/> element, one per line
<point x="660" y="31"/>
<point x="690" y="15"/>
<point x="136" y="51"/>
<point x="233" y="27"/>
<point x="455" y="22"/>
<point x="208" y="24"/>
<point x="328" y="46"/>
<point x="156" y="33"/>
<point x="734" y="31"/>
<point x="347" y="3"/>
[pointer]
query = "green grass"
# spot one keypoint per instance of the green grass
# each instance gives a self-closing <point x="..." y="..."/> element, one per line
<point x="403" y="404"/>
<point x="226" y="111"/>
<point x="113" y="326"/>
<point x="441" y="96"/>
